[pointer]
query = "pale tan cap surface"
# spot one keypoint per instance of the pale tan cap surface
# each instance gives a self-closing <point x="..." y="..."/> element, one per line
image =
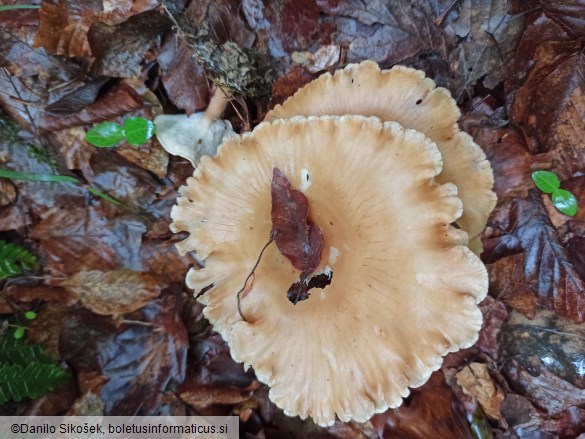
<point x="404" y="287"/>
<point x="404" y="95"/>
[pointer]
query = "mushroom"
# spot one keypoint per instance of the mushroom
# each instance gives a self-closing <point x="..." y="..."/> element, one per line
<point x="404" y="95"/>
<point x="198" y="134"/>
<point x="405" y="287"/>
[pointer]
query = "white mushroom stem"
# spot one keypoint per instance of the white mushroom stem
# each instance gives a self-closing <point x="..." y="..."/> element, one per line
<point x="198" y="134"/>
<point x="217" y="105"/>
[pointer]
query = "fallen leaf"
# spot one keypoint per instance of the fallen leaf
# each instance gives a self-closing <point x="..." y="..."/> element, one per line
<point x="222" y="20"/>
<point x="568" y="14"/>
<point x="121" y="99"/>
<point x="543" y="388"/>
<point x="297" y="238"/>
<point x="64" y="26"/>
<point x="78" y="98"/>
<point x="119" y="49"/>
<point x="288" y="84"/>
<point x="183" y="77"/>
<point x="547" y="342"/>
<point x="507" y="284"/>
<point x="430" y="411"/>
<point x="77" y="239"/>
<point x="387" y="32"/>
<point x="124" y="181"/>
<point x="547" y="264"/>
<point x="477" y="382"/>
<point x="45" y="329"/>
<point x="488" y="48"/>
<point x="301" y="290"/>
<point x="139" y="360"/>
<point x="113" y="292"/>
<point x="38" y="196"/>
<point x="549" y="107"/>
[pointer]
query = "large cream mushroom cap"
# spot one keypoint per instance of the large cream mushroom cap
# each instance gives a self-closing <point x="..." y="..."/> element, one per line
<point x="404" y="290"/>
<point x="404" y="95"/>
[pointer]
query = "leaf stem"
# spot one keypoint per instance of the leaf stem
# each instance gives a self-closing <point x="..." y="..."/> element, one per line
<point x="252" y="274"/>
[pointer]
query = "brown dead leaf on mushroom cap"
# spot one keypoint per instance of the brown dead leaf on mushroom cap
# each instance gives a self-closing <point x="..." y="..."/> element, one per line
<point x="404" y="95"/>
<point x="402" y="273"/>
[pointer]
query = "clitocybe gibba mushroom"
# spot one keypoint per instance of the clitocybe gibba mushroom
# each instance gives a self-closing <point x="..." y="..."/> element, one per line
<point x="199" y="134"/>
<point x="404" y="95"/>
<point x="405" y="287"/>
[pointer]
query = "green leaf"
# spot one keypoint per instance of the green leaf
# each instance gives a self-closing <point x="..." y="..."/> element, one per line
<point x="19" y="332"/>
<point x="14" y="260"/>
<point x="31" y="381"/>
<point x="105" y="135"/>
<point x="13" y="7"/>
<point x="15" y="351"/>
<point x="30" y="315"/>
<point x="15" y="175"/>
<point x="138" y="130"/>
<point x="565" y="202"/>
<point x="546" y="181"/>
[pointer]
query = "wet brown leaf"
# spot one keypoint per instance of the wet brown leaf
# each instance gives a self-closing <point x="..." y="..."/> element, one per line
<point x="124" y="181"/>
<point x="547" y="264"/>
<point x="507" y="284"/>
<point x="288" y="84"/>
<point x="113" y="292"/>
<point x="543" y="388"/>
<point x="387" y="32"/>
<point x="222" y="19"/>
<point x="121" y="99"/>
<point x="489" y="45"/>
<point x="64" y="26"/>
<point x="549" y="108"/>
<point x="70" y="146"/>
<point x="430" y="411"/>
<point x="139" y="360"/>
<point x="546" y="342"/>
<point x="38" y="196"/>
<point x="78" y="98"/>
<point x="77" y="239"/>
<point x="162" y="259"/>
<point x="45" y="329"/>
<point x="119" y="49"/>
<point x="568" y="14"/>
<point x="299" y="240"/>
<point x="476" y="381"/>
<point x="183" y="77"/>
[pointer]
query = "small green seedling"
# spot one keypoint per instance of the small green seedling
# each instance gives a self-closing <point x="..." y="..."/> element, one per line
<point x="563" y="200"/>
<point x="136" y="131"/>
<point x="20" y="330"/>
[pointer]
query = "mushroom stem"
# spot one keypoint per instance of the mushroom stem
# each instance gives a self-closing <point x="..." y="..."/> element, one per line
<point x="217" y="105"/>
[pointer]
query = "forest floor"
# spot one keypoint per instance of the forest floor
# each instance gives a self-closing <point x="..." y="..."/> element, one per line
<point x="517" y="71"/>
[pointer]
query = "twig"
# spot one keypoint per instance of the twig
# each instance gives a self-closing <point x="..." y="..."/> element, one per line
<point x="252" y="274"/>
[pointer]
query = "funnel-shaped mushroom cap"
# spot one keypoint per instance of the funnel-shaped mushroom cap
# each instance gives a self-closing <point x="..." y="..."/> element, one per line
<point x="404" y="287"/>
<point x="404" y="95"/>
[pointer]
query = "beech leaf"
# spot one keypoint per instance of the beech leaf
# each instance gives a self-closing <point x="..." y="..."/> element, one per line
<point x="114" y="292"/>
<point x="548" y="266"/>
<point x="296" y="237"/>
